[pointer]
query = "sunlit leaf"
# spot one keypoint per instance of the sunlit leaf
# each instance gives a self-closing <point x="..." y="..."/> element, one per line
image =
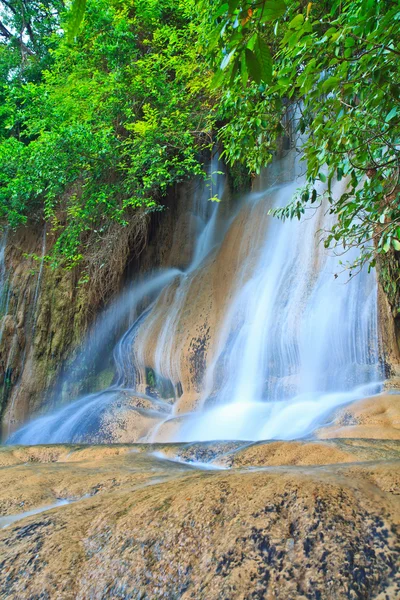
<point x="391" y="114"/>
<point x="77" y="14"/>
<point x="396" y="245"/>
<point x="296" y="22"/>
<point x="272" y="9"/>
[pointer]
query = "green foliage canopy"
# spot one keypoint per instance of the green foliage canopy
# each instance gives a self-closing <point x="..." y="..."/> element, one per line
<point x="106" y="124"/>
<point x="103" y="126"/>
<point x="339" y="64"/>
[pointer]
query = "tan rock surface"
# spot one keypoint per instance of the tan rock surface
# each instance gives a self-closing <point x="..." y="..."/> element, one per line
<point x="375" y="418"/>
<point x="309" y="453"/>
<point x="143" y="527"/>
<point x="128" y="419"/>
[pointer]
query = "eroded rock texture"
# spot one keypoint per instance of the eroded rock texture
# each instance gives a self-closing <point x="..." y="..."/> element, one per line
<point x="141" y="526"/>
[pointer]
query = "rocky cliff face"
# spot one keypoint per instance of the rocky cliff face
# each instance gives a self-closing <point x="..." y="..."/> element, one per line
<point x="45" y="314"/>
<point x="389" y="278"/>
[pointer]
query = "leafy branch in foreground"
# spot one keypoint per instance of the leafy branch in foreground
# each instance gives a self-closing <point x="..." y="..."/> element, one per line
<point x="336" y="66"/>
<point x="241" y="34"/>
<point x="76" y="17"/>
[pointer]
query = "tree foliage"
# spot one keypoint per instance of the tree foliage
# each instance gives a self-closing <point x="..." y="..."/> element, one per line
<point x="336" y="66"/>
<point x="100" y="123"/>
<point x="107" y="123"/>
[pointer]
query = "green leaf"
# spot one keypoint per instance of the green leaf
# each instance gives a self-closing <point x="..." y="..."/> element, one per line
<point x="214" y="39"/>
<point x="396" y="245"/>
<point x="330" y="84"/>
<point x="297" y="22"/>
<point x="391" y="114"/>
<point x="272" y="10"/>
<point x="264" y="58"/>
<point x="252" y="41"/>
<point x="217" y="79"/>
<point x="386" y="245"/>
<point x="221" y="10"/>
<point x="233" y="4"/>
<point x="253" y="65"/>
<point x="77" y="14"/>
<point x="244" y="73"/>
<point x="322" y="177"/>
<point x="234" y="68"/>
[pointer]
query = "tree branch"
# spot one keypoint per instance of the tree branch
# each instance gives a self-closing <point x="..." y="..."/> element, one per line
<point x="9" y="36"/>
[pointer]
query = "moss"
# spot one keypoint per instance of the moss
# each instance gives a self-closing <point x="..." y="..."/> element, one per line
<point x="150" y="377"/>
<point x="103" y="379"/>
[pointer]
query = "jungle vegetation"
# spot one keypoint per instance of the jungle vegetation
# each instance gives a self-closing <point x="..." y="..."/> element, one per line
<point x="106" y="104"/>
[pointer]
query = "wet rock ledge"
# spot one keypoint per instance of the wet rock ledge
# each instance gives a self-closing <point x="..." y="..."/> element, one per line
<point x="280" y="520"/>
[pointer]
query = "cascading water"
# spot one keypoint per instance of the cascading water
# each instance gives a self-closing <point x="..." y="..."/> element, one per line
<point x="73" y="422"/>
<point x="298" y="338"/>
<point x="78" y="420"/>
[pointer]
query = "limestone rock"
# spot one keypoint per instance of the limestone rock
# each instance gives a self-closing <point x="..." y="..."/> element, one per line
<point x="138" y="526"/>
<point x="375" y="418"/>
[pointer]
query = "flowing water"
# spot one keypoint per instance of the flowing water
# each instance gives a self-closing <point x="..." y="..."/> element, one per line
<point x="298" y="338"/>
<point x="75" y="421"/>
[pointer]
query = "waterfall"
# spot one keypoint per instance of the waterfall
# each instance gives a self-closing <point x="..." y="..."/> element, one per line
<point x="298" y="337"/>
<point x="78" y="419"/>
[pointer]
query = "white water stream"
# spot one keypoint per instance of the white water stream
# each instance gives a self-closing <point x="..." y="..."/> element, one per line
<point x="298" y="338"/>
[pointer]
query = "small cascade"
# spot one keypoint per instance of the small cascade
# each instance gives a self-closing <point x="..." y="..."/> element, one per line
<point x="76" y="420"/>
<point x="166" y="355"/>
<point x="206" y="206"/>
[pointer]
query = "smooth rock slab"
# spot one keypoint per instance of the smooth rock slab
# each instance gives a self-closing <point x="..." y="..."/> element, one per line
<point x="154" y="528"/>
<point x="377" y="417"/>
